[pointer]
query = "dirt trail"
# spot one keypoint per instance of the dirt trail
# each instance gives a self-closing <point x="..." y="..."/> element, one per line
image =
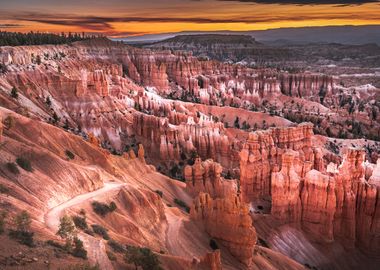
<point x="95" y="247"/>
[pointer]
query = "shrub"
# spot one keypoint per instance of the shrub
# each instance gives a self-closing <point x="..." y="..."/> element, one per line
<point x="22" y="221"/>
<point x="3" y="216"/>
<point x="3" y="189"/>
<point x="112" y="207"/>
<point x="89" y="232"/>
<point x="100" y="230"/>
<point x="159" y="192"/>
<point x="116" y="246"/>
<point x="182" y="204"/>
<point x="54" y="244"/>
<point x="66" y="229"/>
<point x="143" y="257"/>
<point x="111" y="256"/>
<point x="103" y="209"/>
<point x="9" y="122"/>
<point x="25" y="238"/>
<point x="81" y="267"/>
<point x="213" y="244"/>
<point x="12" y="167"/>
<point x="24" y="163"/>
<point x="69" y="154"/>
<point x="14" y="92"/>
<point x="79" y="250"/>
<point x="80" y="222"/>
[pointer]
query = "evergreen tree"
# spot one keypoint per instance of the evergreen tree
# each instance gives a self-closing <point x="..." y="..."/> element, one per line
<point x="14" y="92"/>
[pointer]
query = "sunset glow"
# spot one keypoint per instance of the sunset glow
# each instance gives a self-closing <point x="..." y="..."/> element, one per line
<point x="131" y="17"/>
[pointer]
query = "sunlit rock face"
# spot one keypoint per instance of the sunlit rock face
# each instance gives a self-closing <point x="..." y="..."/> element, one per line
<point x="262" y="154"/>
<point x="206" y="177"/>
<point x="234" y="229"/>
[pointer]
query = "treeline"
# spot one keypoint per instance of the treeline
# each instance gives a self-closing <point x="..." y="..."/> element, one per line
<point x="36" y="38"/>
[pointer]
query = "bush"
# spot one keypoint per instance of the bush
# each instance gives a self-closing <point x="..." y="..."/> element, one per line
<point x="3" y="189"/>
<point x="66" y="229"/>
<point x="103" y="209"/>
<point x="69" y="154"/>
<point x="80" y="222"/>
<point x="9" y="122"/>
<point x="100" y="231"/>
<point x="14" y="92"/>
<point x="116" y="246"/>
<point x="23" y="237"/>
<point x="143" y="257"/>
<point x="89" y="232"/>
<point x="3" y="216"/>
<point x="79" y="250"/>
<point x="111" y="256"/>
<point x="54" y="244"/>
<point x="81" y="267"/>
<point x="159" y="192"/>
<point x="12" y="167"/>
<point x="182" y="204"/>
<point x="213" y="244"/>
<point x="24" y="163"/>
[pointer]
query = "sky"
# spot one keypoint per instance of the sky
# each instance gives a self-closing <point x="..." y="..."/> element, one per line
<point x="119" y="18"/>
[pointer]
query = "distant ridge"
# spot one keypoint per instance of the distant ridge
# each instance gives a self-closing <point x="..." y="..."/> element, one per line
<point x="347" y="34"/>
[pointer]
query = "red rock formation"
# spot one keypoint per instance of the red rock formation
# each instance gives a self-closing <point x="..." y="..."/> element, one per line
<point x="318" y="205"/>
<point x="206" y="177"/>
<point x="234" y="229"/>
<point x="262" y="154"/>
<point x="211" y="261"/>
<point x="286" y="184"/>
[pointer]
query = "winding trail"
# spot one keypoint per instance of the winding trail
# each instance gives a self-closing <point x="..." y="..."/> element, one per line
<point x="96" y="249"/>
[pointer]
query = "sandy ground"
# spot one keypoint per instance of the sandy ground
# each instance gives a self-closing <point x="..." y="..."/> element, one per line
<point x="95" y="247"/>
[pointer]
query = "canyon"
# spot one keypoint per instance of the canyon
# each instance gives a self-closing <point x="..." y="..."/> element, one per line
<point x="212" y="164"/>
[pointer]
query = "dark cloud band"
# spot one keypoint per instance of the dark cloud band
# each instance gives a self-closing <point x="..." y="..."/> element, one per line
<point x="307" y="2"/>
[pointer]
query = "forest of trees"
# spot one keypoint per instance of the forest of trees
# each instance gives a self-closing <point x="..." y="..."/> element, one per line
<point x="35" y="38"/>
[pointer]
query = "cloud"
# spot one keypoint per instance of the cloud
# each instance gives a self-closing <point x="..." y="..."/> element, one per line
<point x="104" y="23"/>
<point x="10" y="25"/>
<point x="307" y="2"/>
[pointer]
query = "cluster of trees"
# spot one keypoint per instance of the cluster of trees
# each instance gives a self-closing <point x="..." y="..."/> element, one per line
<point x="33" y="38"/>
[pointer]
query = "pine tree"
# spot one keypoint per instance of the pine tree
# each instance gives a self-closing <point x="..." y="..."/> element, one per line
<point x="14" y="92"/>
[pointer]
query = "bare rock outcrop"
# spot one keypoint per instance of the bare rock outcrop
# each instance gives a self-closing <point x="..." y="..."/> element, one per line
<point x="228" y="221"/>
<point x="262" y="155"/>
<point x="206" y="177"/>
<point x="286" y="203"/>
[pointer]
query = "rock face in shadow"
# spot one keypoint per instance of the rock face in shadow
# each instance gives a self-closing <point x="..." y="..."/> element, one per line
<point x="341" y="205"/>
<point x="228" y="221"/>
<point x="206" y="177"/>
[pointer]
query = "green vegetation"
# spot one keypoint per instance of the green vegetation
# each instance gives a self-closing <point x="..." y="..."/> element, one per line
<point x="69" y="154"/>
<point x="22" y="233"/>
<point x="14" y="92"/>
<point x="3" y="216"/>
<point x="116" y="246"/>
<point x="182" y="204"/>
<point x="12" y="167"/>
<point x="67" y="231"/>
<point x="79" y="251"/>
<point x="85" y="266"/>
<point x="213" y="244"/>
<point x="9" y="122"/>
<point x="24" y="163"/>
<point x="142" y="257"/>
<point x="80" y="222"/>
<point x="32" y="38"/>
<point x="160" y="193"/>
<point x="3" y="189"/>
<point x="111" y="256"/>
<point x="100" y="230"/>
<point x="103" y="209"/>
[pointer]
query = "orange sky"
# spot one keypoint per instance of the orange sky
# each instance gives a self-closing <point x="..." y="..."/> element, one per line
<point x="134" y="17"/>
